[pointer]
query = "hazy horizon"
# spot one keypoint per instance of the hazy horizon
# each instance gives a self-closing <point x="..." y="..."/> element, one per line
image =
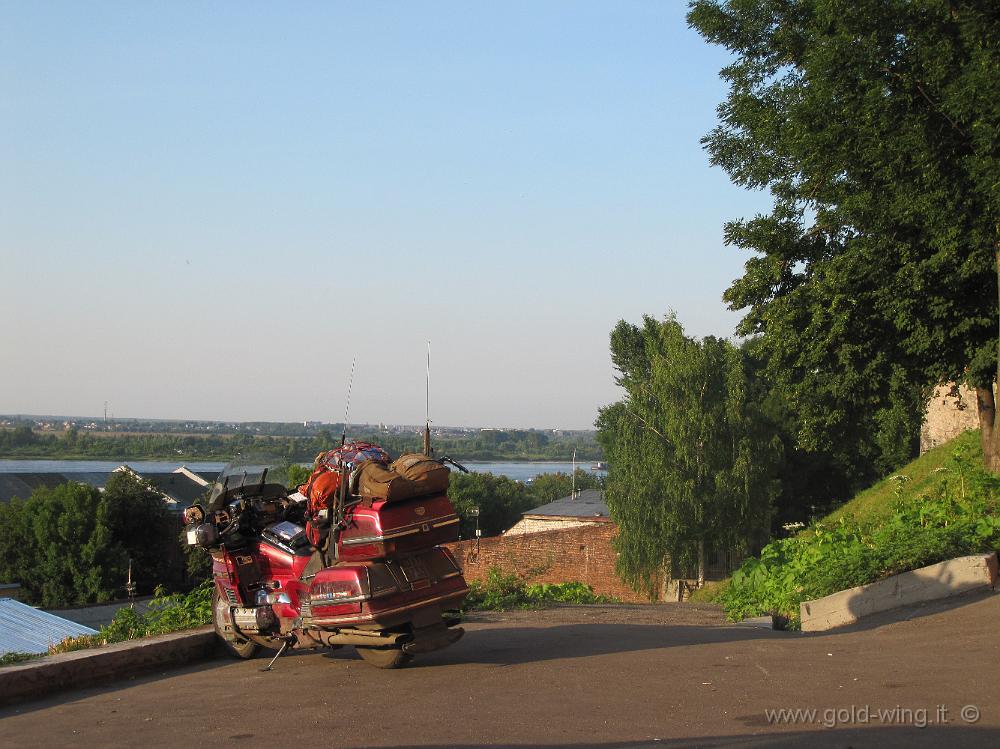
<point x="98" y="418"/>
<point x="208" y="212"/>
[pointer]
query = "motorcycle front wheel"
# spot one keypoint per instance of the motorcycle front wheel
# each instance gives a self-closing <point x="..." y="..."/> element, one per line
<point x="240" y="648"/>
<point x="384" y="657"/>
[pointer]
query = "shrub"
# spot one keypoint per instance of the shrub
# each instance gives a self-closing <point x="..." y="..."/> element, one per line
<point x="959" y="514"/>
<point x="166" y="613"/>
<point x="503" y="591"/>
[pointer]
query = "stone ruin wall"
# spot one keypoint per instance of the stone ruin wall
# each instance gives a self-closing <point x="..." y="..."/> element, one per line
<point x="950" y="411"/>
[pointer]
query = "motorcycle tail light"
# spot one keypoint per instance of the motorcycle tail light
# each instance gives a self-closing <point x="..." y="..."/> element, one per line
<point x="381" y="582"/>
<point x="336" y="591"/>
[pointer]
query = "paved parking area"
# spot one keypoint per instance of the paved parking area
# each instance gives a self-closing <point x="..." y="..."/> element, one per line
<point x="608" y="677"/>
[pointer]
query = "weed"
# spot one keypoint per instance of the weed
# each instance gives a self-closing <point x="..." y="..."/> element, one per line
<point x="166" y="613"/>
<point x="9" y="659"/>
<point x="503" y="591"/>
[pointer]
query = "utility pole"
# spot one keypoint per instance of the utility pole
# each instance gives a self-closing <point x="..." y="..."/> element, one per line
<point x="130" y="585"/>
<point x="427" y="405"/>
<point x="573" y="492"/>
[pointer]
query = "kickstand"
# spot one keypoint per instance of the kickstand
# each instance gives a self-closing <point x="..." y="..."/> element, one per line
<point x="281" y="651"/>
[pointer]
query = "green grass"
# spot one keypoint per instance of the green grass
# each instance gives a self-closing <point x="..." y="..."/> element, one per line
<point x="940" y="506"/>
<point x="9" y="659"/>
<point x="922" y="475"/>
<point x="502" y="591"/>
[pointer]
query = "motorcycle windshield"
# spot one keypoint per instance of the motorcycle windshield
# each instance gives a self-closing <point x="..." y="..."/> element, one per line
<point x="244" y="473"/>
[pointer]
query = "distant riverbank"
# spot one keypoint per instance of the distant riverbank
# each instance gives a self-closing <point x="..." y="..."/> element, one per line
<point x="519" y="470"/>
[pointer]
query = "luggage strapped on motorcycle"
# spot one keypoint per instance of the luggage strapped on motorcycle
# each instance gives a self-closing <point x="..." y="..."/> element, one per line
<point x="329" y="488"/>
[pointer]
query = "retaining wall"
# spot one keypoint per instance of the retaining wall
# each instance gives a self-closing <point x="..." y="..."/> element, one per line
<point x="83" y="668"/>
<point x="935" y="582"/>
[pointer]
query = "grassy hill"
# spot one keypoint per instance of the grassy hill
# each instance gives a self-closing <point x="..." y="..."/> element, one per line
<point x="941" y="505"/>
<point x="920" y="477"/>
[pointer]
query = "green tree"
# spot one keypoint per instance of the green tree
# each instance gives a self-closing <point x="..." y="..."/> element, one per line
<point x="141" y="524"/>
<point x="297" y="474"/>
<point x="691" y="460"/>
<point x="549" y="487"/>
<point x="23" y="435"/>
<point x="58" y="544"/>
<point x="875" y="124"/>
<point x="500" y="501"/>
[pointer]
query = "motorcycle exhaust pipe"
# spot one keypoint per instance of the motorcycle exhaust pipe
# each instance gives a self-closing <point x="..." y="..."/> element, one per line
<point x="372" y="641"/>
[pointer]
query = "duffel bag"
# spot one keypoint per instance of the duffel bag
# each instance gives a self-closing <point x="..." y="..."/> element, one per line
<point x="375" y="481"/>
<point x="427" y="475"/>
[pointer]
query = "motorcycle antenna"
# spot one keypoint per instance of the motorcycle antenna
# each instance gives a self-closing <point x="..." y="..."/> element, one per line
<point x="347" y="408"/>
<point x="427" y="405"/>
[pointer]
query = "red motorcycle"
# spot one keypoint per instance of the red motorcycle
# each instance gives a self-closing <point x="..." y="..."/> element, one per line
<point x="353" y="557"/>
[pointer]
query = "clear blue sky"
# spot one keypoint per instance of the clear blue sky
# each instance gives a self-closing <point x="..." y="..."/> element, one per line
<point x="207" y="209"/>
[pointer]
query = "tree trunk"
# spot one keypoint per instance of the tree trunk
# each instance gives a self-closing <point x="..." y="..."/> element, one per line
<point x="701" y="563"/>
<point x="986" y="397"/>
<point x="989" y="435"/>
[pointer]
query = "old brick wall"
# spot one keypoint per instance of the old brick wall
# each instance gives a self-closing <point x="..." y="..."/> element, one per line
<point x="581" y="554"/>
<point x="948" y="416"/>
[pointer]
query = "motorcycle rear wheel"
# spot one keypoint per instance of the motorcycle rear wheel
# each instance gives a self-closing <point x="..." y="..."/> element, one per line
<point x="384" y="657"/>
<point x="240" y="648"/>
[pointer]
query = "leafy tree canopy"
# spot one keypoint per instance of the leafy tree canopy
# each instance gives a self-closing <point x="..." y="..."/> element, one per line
<point x="875" y="124"/>
<point x="139" y="520"/>
<point x="58" y="544"/>
<point x="691" y="458"/>
<point x="548" y="487"/>
<point x="500" y="502"/>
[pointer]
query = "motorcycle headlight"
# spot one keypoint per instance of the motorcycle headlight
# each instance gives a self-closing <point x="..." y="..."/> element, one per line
<point x="203" y="535"/>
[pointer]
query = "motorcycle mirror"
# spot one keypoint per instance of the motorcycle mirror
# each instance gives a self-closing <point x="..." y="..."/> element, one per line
<point x="194" y="514"/>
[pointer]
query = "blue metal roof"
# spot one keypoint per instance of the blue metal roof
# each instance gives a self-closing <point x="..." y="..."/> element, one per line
<point x="24" y="629"/>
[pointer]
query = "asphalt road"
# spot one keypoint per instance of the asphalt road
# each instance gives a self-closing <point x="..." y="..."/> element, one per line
<point x="608" y="677"/>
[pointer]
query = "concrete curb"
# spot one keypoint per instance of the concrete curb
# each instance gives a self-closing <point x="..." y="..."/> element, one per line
<point x="942" y="580"/>
<point x="83" y="668"/>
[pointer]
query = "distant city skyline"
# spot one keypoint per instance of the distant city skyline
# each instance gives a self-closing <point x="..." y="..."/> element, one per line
<point x="208" y="210"/>
<point x="87" y="419"/>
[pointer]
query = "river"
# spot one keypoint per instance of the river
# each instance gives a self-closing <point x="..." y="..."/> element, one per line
<point x="518" y="470"/>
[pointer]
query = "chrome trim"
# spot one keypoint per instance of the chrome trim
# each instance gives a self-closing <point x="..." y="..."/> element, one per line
<point x="377" y="539"/>
<point x="390" y="612"/>
<point x="322" y="602"/>
<point x="403" y="530"/>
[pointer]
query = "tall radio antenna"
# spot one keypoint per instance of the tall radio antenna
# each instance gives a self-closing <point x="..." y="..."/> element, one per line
<point x="347" y="408"/>
<point x="427" y="404"/>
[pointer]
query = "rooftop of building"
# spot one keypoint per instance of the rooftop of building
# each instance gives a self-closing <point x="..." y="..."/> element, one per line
<point x="588" y="503"/>
<point x="24" y="629"/>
